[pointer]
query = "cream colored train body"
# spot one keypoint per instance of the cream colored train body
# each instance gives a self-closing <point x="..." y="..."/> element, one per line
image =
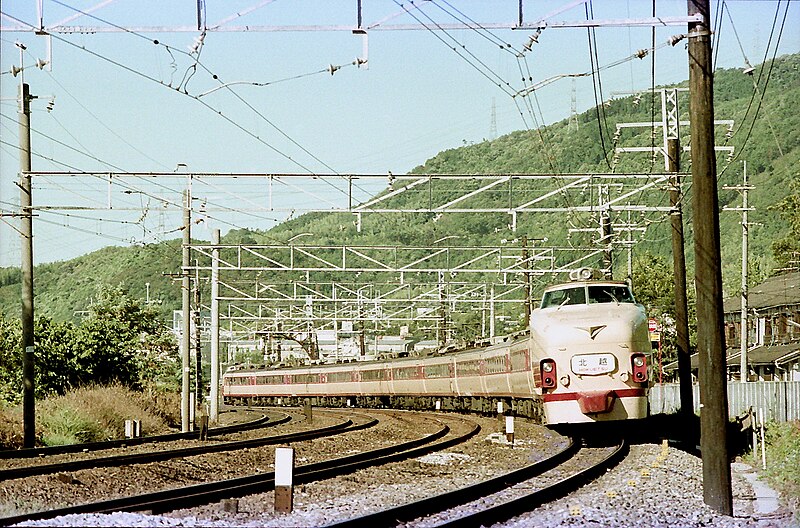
<point x="591" y="341"/>
<point x="583" y="360"/>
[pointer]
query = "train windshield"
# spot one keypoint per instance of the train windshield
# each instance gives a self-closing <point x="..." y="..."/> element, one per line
<point x="609" y="293"/>
<point x="564" y="297"/>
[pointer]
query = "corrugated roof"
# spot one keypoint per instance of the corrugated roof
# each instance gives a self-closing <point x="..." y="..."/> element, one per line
<point x="763" y="355"/>
<point x="781" y="290"/>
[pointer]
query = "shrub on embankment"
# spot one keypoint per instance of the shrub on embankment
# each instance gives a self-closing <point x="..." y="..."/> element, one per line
<point x="782" y="473"/>
<point x="91" y="414"/>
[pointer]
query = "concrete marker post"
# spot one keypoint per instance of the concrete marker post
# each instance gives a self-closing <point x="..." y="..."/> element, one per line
<point x="308" y="411"/>
<point x="284" y="475"/>
<point x="510" y="429"/>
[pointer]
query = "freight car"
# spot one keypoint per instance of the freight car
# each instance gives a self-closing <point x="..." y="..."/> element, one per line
<point x="583" y="360"/>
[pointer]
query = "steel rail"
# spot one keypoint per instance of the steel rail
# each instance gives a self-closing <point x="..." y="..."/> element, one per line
<point x="200" y="494"/>
<point x="507" y="510"/>
<point x="33" y="452"/>
<point x="415" y="510"/>
<point x="167" y="454"/>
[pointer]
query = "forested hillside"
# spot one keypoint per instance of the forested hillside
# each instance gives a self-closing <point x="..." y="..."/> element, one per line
<point x="766" y="133"/>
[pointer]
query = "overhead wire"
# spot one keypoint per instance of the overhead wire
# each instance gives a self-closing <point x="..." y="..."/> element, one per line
<point x="492" y="38"/>
<point x="128" y="187"/>
<point x="184" y="91"/>
<point x="133" y="189"/>
<point x="597" y="85"/>
<point x="538" y="124"/>
<point x="756" y="91"/>
<point x="467" y="55"/>
<point x="750" y="67"/>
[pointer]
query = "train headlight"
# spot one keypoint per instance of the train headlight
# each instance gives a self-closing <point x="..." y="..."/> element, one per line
<point x="549" y="375"/>
<point x="639" y="368"/>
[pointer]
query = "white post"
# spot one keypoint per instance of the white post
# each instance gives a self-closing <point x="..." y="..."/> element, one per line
<point x="763" y="445"/>
<point x="284" y="475"/>
<point x="510" y="429"/>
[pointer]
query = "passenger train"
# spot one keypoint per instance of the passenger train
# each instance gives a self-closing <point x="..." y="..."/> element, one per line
<point x="583" y="360"/>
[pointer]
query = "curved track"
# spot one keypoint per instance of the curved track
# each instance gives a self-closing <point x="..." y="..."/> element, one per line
<point x="34" y="452"/>
<point x="504" y="510"/>
<point x="199" y="494"/>
<point x="158" y="456"/>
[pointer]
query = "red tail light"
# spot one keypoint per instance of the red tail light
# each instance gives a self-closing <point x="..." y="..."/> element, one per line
<point x="549" y="374"/>
<point x="639" y="367"/>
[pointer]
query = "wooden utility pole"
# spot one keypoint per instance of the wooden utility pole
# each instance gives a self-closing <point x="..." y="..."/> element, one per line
<point x="708" y="275"/>
<point x="214" y="414"/>
<point x="679" y="278"/>
<point x="186" y="300"/>
<point x="26" y="237"/>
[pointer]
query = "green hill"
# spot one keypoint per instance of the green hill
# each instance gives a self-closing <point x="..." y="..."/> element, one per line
<point x="770" y="144"/>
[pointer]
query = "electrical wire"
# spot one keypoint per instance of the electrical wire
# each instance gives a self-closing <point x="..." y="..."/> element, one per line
<point x="761" y="93"/>
<point x="216" y="77"/>
<point x="480" y="67"/>
<point x="597" y="85"/>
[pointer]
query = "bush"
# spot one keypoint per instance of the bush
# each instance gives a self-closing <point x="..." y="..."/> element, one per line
<point x="91" y="414"/>
<point x="783" y="462"/>
<point x="65" y="425"/>
<point x="10" y="427"/>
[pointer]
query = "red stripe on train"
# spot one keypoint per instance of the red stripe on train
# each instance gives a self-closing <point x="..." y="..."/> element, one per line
<point x="566" y="396"/>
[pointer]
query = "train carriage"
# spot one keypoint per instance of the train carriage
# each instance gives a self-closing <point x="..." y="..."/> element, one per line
<point x="584" y="360"/>
<point x="591" y="341"/>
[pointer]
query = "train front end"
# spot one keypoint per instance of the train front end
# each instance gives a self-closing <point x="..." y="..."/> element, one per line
<point x="590" y="345"/>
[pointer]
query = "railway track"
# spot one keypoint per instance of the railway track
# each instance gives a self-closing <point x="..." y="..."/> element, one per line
<point x="200" y="494"/>
<point x="502" y="509"/>
<point x="37" y="452"/>
<point x="167" y="454"/>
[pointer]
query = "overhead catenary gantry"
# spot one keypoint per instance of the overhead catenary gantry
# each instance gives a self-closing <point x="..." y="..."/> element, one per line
<point x="515" y="20"/>
<point x="592" y="196"/>
<point x="292" y="307"/>
<point x="404" y="284"/>
<point x="269" y="193"/>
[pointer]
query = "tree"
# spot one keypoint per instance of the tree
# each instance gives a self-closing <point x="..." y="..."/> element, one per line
<point x="122" y="341"/>
<point x="57" y="368"/>
<point x="654" y="286"/>
<point x="10" y="360"/>
<point x="787" y="249"/>
<point x="119" y="341"/>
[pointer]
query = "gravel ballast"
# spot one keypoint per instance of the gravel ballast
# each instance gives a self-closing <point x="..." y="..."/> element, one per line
<point x="654" y="486"/>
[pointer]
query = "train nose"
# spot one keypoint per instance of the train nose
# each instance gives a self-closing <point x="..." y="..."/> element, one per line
<point x="593" y="402"/>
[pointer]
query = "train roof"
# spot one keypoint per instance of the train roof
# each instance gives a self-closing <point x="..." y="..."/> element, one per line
<point x="573" y="284"/>
<point x="445" y="352"/>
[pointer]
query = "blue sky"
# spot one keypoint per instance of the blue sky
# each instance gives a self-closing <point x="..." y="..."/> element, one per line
<point x="117" y="108"/>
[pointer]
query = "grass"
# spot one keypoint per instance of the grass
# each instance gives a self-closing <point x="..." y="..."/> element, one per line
<point x="92" y="414"/>
<point x="782" y="443"/>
